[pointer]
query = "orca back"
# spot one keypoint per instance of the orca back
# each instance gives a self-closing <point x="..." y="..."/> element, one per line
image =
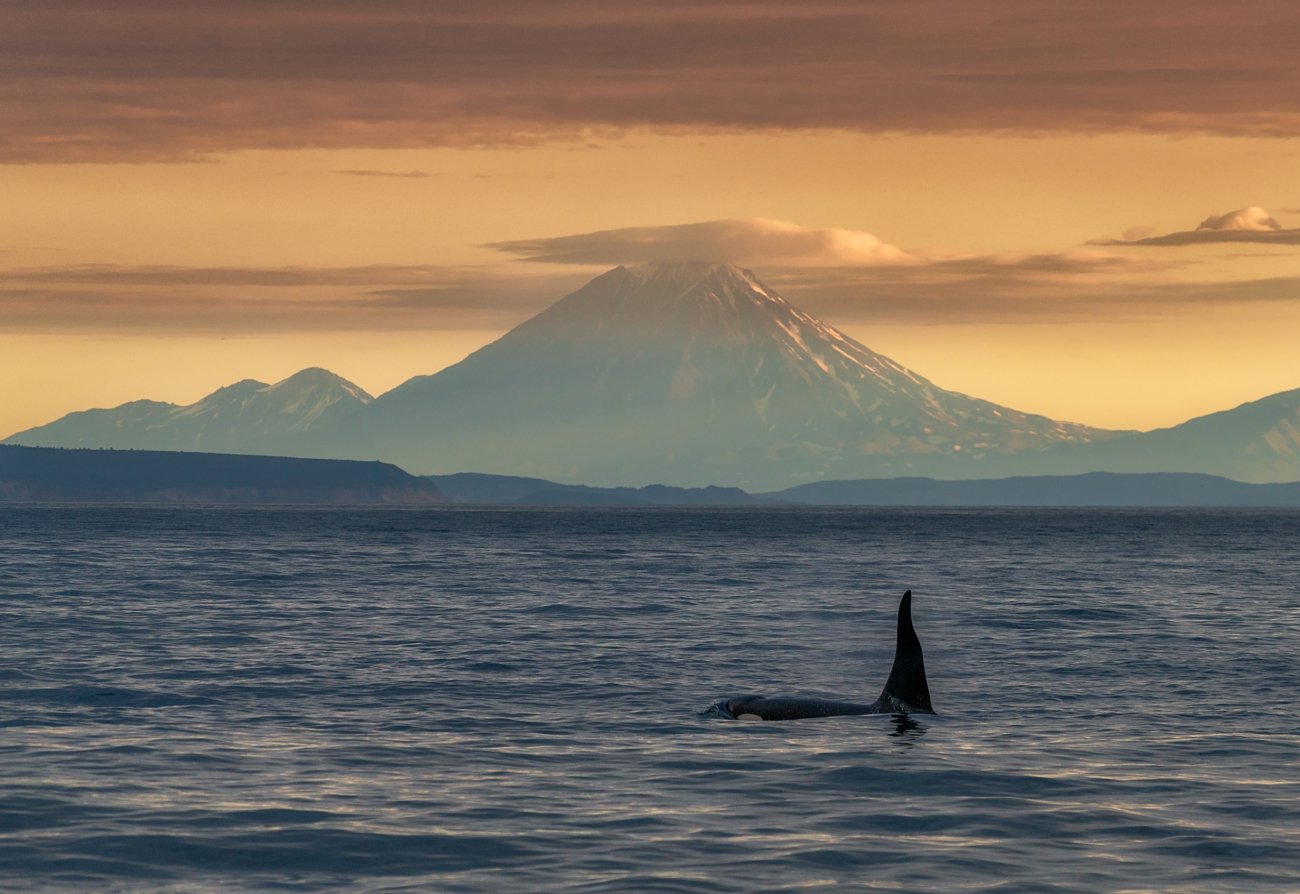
<point x="906" y="691"/>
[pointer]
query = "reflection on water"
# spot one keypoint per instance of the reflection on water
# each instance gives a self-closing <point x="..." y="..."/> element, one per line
<point x="907" y="728"/>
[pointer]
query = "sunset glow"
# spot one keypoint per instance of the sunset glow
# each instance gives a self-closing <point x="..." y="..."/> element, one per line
<point x="1090" y="213"/>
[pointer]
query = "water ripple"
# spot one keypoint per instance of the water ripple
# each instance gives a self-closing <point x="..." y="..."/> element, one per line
<point x="240" y="699"/>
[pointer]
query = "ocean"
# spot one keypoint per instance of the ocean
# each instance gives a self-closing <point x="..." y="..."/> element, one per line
<point x="459" y="700"/>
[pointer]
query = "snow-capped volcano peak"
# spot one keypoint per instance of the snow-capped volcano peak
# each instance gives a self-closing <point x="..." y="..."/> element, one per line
<point x="664" y="296"/>
<point x="686" y="273"/>
<point x="699" y="308"/>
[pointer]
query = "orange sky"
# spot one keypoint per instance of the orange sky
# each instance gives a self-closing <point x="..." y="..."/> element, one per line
<point x="1020" y="203"/>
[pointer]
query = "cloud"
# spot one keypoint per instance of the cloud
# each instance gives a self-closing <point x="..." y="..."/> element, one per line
<point x="778" y="244"/>
<point x="752" y="240"/>
<point x="244" y="300"/>
<point x="851" y="276"/>
<point x="407" y="175"/>
<point x="1068" y="286"/>
<point x="1252" y="219"/>
<point x="1045" y="265"/>
<point x="975" y="292"/>
<point x="1139" y="232"/>
<point x="1007" y="287"/>
<point x="1253" y="225"/>
<point x="81" y="80"/>
<point x="167" y="275"/>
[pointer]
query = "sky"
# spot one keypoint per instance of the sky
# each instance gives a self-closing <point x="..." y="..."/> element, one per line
<point x="1089" y="210"/>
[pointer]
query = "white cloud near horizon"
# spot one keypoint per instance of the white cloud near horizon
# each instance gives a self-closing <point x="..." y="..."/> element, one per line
<point x="1250" y="225"/>
<point x="1252" y="219"/>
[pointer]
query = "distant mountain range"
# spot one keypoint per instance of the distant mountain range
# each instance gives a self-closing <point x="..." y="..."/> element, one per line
<point x="248" y="417"/>
<point x="687" y="374"/>
<point x="511" y="490"/>
<point x="1165" y="489"/>
<point x="1257" y="441"/>
<point x="1171" y="489"/>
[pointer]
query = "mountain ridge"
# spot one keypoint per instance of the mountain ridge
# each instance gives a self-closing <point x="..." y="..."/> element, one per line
<point x="689" y="374"/>
<point x="1257" y="441"/>
<point x="248" y="416"/>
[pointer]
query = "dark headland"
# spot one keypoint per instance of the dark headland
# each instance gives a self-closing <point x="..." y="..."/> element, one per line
<point x="43" y="474"/>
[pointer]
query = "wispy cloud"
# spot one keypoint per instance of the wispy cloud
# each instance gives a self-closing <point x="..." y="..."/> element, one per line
<point x="782" y="244"/>
<point x="975" y="293"/>
<point x="241" y="300"/>
<point x="1074" y="285"/>
<point x="168" y="275"/>
<point x="751" y="240"/>
<point x="1252" y="225"/>
<point x="853" y="276"/>
<point x="155" y="79"/>
<point x="403" y="175"/>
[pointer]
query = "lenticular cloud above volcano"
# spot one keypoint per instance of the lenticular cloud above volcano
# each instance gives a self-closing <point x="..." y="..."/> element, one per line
<point x="749" y="240"/>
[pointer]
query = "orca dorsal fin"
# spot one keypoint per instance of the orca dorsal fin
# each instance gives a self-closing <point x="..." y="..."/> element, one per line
<point x="906" y="690"/>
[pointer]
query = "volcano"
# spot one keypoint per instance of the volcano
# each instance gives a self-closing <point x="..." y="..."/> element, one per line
<point x="689" y="374"/>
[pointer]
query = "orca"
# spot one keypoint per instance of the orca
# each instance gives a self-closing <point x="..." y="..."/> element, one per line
<point x="905" y="692"/>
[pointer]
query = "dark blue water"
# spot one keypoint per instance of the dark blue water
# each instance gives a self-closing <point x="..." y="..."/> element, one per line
<point x="233" y="699"/>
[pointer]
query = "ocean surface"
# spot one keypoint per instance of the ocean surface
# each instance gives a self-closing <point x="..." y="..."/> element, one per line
<point x="227" y="699"/>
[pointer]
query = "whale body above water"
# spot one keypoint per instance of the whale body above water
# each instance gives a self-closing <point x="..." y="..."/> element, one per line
<point x="906" y="691"/>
